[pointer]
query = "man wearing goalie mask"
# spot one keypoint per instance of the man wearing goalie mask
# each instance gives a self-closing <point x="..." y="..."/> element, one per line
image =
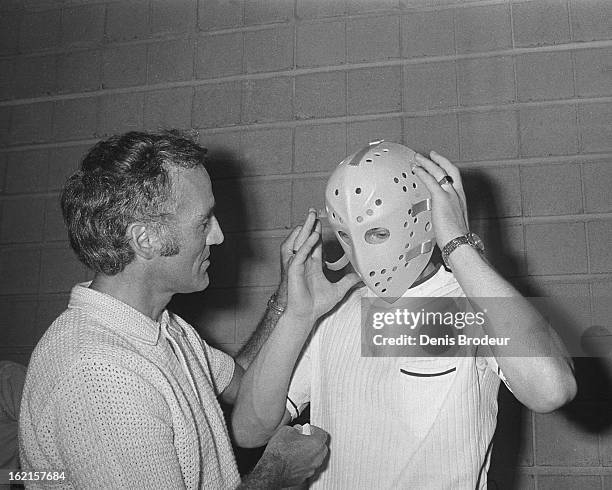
<point x="414" y="422"/>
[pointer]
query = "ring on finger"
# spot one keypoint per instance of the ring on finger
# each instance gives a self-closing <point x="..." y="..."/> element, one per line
<point x="447" y="179"/>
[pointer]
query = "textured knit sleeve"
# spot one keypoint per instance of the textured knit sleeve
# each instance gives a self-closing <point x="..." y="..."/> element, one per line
<point x="221" y="367"/>
<point x="114" y="430"/>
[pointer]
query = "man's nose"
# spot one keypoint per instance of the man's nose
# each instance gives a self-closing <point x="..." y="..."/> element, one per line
<point x="215" y="237"/>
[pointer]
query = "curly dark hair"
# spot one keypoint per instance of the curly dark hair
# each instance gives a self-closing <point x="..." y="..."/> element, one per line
<point x="122" y="180"/>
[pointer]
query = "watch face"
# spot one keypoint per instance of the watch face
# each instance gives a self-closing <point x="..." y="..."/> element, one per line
<point x="476" y="241"/>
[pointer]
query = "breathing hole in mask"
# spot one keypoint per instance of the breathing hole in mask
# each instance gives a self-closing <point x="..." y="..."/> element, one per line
<point x="345" y="238"/>
<point x="358" y="190"/>
<point x="372" y="273"/>
<point x="378" y="202"/>
<point x="427" y="226"/>
<point x="404" y="188"/>
<point x="369" y="212"/>
<point x="404" y="175"/>
<point x="375" y="236"/>
<point x="396" y="180"/>
<point x="336" y="192"/>
<point x="359" y="219"/>
<point x="414" y="186"/>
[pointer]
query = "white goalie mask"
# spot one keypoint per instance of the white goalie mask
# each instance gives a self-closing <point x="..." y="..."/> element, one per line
<point x="381" y="214"/>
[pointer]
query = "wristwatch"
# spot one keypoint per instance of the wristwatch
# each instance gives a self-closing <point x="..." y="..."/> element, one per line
<point x="471" y="239"/>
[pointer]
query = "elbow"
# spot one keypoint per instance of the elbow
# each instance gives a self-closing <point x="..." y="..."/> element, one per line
<point x="559" y="393"/>
<point x="249" y="433"/>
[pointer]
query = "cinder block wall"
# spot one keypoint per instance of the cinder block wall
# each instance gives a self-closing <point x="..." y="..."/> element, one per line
<point x="517" y="93"/>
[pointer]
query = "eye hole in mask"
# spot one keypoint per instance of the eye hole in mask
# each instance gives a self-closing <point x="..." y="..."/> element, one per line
<point x="345" y="238"/>
<point x="375" y="236"/>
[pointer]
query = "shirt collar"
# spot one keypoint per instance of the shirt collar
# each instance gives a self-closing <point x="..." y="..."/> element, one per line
<point x="116" y="314"/>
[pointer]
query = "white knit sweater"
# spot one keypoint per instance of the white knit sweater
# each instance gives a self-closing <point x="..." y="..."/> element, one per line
<point x="108" y="401"/>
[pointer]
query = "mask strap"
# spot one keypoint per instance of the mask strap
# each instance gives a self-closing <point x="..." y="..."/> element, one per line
<point x="424" y="248"/>
<point x="338" y="264"/>
<point x="358" y="156"/>
<point x="421" y="206"/>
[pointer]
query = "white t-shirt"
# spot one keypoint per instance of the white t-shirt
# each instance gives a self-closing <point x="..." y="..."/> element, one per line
<point x="396" y="422"/>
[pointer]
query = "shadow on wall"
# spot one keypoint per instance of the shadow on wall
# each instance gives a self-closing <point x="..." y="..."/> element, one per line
<point x="214" y="304"/>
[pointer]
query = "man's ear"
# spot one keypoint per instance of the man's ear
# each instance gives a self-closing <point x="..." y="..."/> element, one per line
<point x="143" y="240"/>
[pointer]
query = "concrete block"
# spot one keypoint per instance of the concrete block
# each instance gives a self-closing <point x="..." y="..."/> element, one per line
<point x="217" y="14"/>
<point x="374" y="90"/>
<point x="219" y="55"/>
<point x="120" y="113"/>
<point x="267" y="151"/>
<point x="269" y="49"/>
<point x="263" y="211"/>
<point x="360" y="133"/>
<point x="591" y="20"/>
<point x="124" y="66"/>
<point x="31" y="123"/>
<point x="19" y="271"/>
<point x="429" y="86"/>
<point x="61" y="270"/>
<point x="428" y="34"/>
<point x="175" y="16"/>
<point x="214" y="317"/>
<point x="544" y="76"/>
<point x="307" y="193"/>
<point x="548" y="130"/>
<point x="320" y="95"/>
<point x="170" y="61"/>
<point x="492" y="191"/>
<point x="127" y="20"/>
<point x="485" y="81"/>
<point x="75" y="118"/>
<point x="48" y="310"/>
<point x="439" y="133"/>
<point x="265" y="11"/>
<point x="18" y="322"/>
<point x="55" y="229"/>
<point x="80" y="71"/>
<point x="63" y="162"/>
<point x="551" y="189"/>
<point x="373" y="38"/>
<point x="35" y="76"/>
<point x="488" y="135"/>
<point x="22" y="220"/>
<point x="7" y="78"/>
<point x="3" y="160"/>
<point x="540" y="23"/>
<point x="267" y="100"/>
<point x="319" y="148"/>
<point x="320" y="44"/>
<point x="247" y="205"/>
<point x="568" y="482"/>
<point x="599" y="233"/>
<point x="561" y="442"/>
<point x="606" y="435"/>
<point x="595" y="127"/>
<point x="555" y="248"/>
<point x="26" y="171"/>
<point x="216" y="105"/>
<point x="485" y="28"/>
<point x="5" y="123"/>
<point x="222" y="271"/>
<point x="312" y="9"/>
<point x="596" y="178"/>
<point x="39" y="30"/>
<point x="10" y="23"/>
<point x="224" y="154"/>
<point x="166" y="109"/>
<point x="593" y="72"/>
<point x="361" y="6"/>
<point x="505" y="247"/>
<point x="252" y="306"/>
<point x="262" y="267"/>
<point x="82" y="25"/>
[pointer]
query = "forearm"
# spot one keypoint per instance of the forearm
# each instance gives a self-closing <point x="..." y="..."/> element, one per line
<point x="267" y="474"/>
<point x="260" y="404"/>
<point x="542" y="378"/>
<point x="266" y="326"/>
